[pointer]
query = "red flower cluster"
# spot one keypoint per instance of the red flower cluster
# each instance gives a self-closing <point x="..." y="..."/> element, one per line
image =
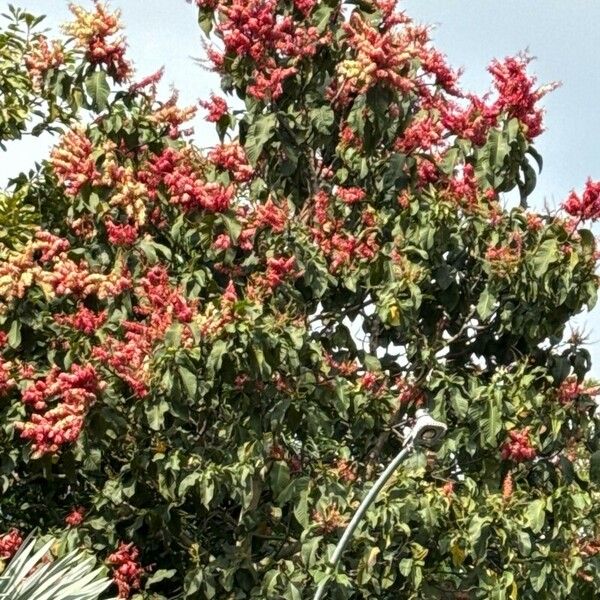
<point x="92" y="31"/>
<point x="171" y="115"/>
<point x="9" y="544"/>
<point x="160" y="304"/>
<point x="232" y="157"/>
<point x="305" y="6"/>
<point x="340" y="246"/>
<point x="72" y="161"/>
<point x="279" y="269"/>
<point x="217" y="108"/>
<point x="127" y="571"/>
<point x="84" y="319"/>
<point x="516" y="96"/>
<point x="185" y="183"/>
<point x="422" y="134"/>
<point x="75" y="517"/>
<point x="586" y="206"/>
<point x="570" y="389"/>
<point x="121" y="234"/>
<point x="472" y="122"/>
<point x="518" y="446"/>
<point x="350" y="195"/>
<point x="250" y="28"/>
<point x="74" y="393"/>
<point x="42" y="57"/>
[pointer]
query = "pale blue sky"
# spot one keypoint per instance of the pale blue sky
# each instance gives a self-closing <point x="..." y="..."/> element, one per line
<point x="562" y="34"/>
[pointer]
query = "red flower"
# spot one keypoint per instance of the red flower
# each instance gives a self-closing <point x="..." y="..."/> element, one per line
<point x="9" y="544"/>
<point x="216" y="107"/>
<point x="75" y="517"/>
<point x="518" y="446"/>
<point x="127" y="571"/>
<point x="586" y="206"/>
<point x="516" y="96"/>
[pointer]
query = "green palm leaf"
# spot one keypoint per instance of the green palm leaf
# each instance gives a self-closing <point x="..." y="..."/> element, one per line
<point x="71" y="577"/>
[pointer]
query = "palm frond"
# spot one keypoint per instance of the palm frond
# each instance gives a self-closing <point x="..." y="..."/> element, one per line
<point x="71" y="577"/>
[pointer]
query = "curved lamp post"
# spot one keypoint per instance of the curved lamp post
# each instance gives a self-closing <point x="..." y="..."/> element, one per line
<point x="425" y="432"/>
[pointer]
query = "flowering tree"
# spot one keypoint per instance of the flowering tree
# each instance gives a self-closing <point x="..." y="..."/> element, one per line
<point x="204" y="355"/>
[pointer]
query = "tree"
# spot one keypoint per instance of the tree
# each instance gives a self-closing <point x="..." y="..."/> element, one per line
<point x="206" y="353"/>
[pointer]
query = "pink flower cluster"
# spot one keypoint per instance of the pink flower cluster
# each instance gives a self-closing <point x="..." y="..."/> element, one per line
<point x="232" y="157"/>
<point x="340" y="246"/>
<point x="516" y="96"/>
<point x="159" y="304"/>
<point x="127" y="571"/>
<point x="186" y="185"/>
<point x="75" y="517"/>
<point x="587" y="205"/>
<point x="72" y="161"/>
<point x="9" y="544"/>
<point x="72" y="393"/>
<point x="92" y="31"/>
<point x="518" y="447"/>
<point x="570" y="389"/>
<point x="42" y="57"/>
<point x="84" y="319"/>
<point x="217" y="108"/>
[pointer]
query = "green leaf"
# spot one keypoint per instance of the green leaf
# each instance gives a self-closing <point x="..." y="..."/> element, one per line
<point x="259" y="133"/>
<point x="486" y="304"/>
<point x="535" y="515"/>
<point x="160" y="575"/>
<point x="595" y="467"/>
<point x="98" y="89"/>
<point x="14" y="334"/>
<point x="189" y="380"/>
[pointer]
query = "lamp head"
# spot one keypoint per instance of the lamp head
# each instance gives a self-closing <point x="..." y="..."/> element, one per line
<point x="427" y="431"/>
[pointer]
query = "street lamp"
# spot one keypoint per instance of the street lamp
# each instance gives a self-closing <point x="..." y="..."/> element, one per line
<point x="426" y="432"/>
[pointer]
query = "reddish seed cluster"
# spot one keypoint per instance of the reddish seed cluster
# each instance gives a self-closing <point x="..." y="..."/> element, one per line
<point x="217" y="108"/>
<point x="92" y="31"/>
<point x="42" y="57"/>
<point x="518" y="446"/>
<point x="271" y="216"/>
<point x="586" y="206"/>
<point x="75" y="517"/>
<point x="84" y="319"/>
<point x="9" y="544"/>
<point x="329" y="519"/>
<point x="232" y="157"/>
<point x="127" y="571"/>
<point x="72" y="161"/>
<point x="72" y="393"/>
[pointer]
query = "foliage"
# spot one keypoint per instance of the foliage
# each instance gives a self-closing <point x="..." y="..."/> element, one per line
<point x="204" y="353"/>
<point x="29" y="576"/>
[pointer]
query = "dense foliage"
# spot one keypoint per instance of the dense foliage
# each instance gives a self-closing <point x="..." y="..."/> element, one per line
<point x="204" y="354"/>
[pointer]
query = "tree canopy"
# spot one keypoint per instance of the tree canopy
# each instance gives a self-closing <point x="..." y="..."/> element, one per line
<point x="205" y="354"/>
